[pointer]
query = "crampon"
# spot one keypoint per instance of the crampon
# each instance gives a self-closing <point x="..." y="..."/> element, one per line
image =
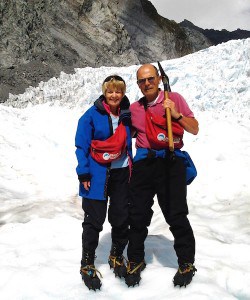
<point x="133" y="275"/>
<point x="184" y="275"/>
<point x="117" y="263"/>
<point x="90" y="277"/>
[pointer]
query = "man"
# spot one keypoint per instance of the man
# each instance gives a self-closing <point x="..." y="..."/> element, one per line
<point x="155" y="173"/>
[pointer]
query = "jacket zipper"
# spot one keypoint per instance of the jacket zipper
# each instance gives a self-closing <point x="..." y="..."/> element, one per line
<point x="109" y="165"/>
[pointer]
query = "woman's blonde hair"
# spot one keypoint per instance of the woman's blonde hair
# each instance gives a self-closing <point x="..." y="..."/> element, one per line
<point x="114" y="81"/>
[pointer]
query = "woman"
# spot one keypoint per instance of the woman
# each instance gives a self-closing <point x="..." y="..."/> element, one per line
<point x="100" y="180"/>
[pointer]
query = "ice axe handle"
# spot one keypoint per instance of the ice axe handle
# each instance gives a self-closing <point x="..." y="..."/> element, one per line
<point x="169" y="126"/>
<point x="167" y="89"/>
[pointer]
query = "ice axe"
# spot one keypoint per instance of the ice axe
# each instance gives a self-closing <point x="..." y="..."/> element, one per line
<point x="167" y="89"/>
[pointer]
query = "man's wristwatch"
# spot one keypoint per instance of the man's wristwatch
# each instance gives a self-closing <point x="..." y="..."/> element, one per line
<point x="179" y="118"/>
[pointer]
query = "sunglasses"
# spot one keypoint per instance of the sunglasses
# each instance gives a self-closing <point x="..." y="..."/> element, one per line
<point x="113" y="77"/>
<point x="143" y="80"/>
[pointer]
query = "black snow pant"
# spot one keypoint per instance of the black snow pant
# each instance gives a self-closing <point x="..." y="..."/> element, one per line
<point x="95" y="213"/>
<point x="167" y="180"/>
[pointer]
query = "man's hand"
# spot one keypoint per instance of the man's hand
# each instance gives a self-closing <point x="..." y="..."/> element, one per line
<point x="168" y="103"/>
<point x="189" y="124"/>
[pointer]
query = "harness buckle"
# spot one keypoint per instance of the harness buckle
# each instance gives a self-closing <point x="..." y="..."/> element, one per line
<point x="151" y="154"/>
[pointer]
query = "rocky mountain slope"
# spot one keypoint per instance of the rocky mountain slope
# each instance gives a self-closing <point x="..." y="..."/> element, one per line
<point x="215" y="36"/>
<point x="41" y="38"/>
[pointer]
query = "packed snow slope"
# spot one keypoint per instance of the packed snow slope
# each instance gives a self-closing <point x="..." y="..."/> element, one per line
<point x="40" y="213"/>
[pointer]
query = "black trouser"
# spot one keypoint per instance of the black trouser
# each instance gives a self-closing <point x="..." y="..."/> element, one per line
<point x="167" y="180"/>
<point x="95" y="213"/>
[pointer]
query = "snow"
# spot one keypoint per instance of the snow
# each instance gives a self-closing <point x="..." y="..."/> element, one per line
<point x="41" y="215"/>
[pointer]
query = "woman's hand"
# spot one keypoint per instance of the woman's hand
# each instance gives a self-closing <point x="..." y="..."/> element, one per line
<point x="86" y="185"/>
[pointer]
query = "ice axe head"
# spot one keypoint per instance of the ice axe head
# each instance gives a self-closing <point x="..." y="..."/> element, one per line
<point x="164" y="78"/>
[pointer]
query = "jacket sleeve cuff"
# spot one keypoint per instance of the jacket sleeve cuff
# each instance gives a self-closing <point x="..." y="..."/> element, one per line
<point x="125" y="117"/>
<point x="84" y="177"/>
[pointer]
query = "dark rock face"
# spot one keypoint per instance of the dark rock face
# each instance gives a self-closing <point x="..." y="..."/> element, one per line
<point x="216" y="36"/>
<point x="41" y="38"/>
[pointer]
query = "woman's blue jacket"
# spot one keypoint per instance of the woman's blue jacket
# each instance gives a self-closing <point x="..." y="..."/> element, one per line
<point x="96" y="124"/>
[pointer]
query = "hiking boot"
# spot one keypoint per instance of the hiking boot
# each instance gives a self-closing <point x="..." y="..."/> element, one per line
<point x="184" y="275"/>
<point x="90" y="277"/>
<point x="89" y="272"/>
<point x="134" y="270"/>
<point x="116" y="261"/>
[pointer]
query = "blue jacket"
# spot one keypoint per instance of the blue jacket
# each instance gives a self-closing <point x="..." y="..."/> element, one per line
<point x="96" y="124"/>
